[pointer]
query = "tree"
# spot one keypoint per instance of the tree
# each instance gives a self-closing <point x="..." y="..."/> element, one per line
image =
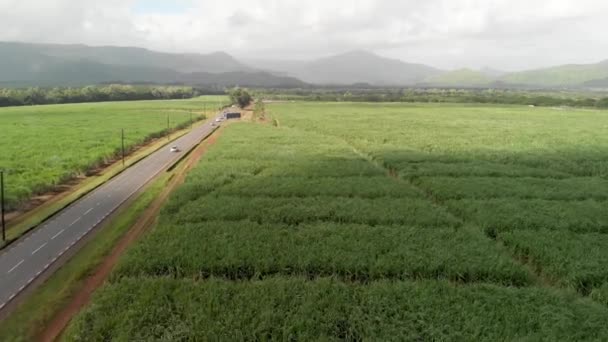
<point x="259" y="111"/>
<point x="603" y="103"/>
<point x="240" y="96"/>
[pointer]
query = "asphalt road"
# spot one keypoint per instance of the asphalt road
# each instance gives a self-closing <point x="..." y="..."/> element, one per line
<point x="27" y="259"/>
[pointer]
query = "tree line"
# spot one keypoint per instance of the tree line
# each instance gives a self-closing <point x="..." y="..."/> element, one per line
<point x="489" y="96"/>
<point x="240" y="97"/>
<point x="112" y="92"/>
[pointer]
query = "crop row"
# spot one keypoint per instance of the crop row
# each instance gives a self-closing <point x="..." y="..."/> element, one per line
<point x="278" y="144"/>
<point x="494" y="164"/>
<point x="472" y="169"/>
<point x="297" y="210"/>
<point x="325" y="309"/>
<point x="367" y="187"/>
<point x="581" y="188"/>
<point x="574" y="260"/>
<point x="244" y="250"/>
<point x="505" y="214"/>
<point x="457" y="140"/>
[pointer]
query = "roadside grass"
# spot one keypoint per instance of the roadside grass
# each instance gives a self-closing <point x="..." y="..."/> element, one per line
<point x="30" y="317"/>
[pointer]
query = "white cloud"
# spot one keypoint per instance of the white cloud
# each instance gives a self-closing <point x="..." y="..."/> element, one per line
<point x="510" y="34"/>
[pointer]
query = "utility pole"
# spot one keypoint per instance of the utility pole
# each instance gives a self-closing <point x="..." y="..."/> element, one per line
<point x="168" y="129"/>
<point x="122" y="139"/>
<point x="2" y="205"/>
<point x="191" y="122"/>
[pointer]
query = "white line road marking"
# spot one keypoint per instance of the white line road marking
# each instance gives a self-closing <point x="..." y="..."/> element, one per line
<point x="19" y="263"/>
<point x="73" y="223"/>
<point x="88" y="211"/>
<point x="56" y="235"/>
<point x="39" y="248"/>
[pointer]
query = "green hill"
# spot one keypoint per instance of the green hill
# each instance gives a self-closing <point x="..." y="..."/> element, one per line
<point x="216" y="62"/>
<point x="76" y="65"/>
<point x="560" y="76"/>
<point x="26" y="64"/>
<point x="363" y="67"/>
<point x="462" y="77"/>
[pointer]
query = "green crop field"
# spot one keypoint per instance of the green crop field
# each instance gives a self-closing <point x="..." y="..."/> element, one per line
<point x="43" y="146"/>
<point x="377" y="222"/>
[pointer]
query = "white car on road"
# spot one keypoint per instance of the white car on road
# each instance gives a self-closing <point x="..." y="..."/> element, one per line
<point x="175" y="149"/>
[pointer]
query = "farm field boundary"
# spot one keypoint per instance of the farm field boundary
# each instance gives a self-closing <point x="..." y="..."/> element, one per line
<point x="19" y="224"/>
<point x="360" y="221"/>
<point x="44" y="313"/>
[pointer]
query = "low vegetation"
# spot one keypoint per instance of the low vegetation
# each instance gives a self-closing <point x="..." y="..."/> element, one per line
<point x="483" y="95"/>
<point x="240" y="97"/>
<point x="113" y="92"/>
<point x="327" y="309"/>
<point x="377" y="222"/>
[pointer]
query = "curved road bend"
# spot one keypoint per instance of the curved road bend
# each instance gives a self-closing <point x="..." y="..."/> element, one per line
<point x="26" y="259"/>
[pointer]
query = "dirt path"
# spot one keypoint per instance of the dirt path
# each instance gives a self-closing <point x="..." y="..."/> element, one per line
<point x="101" y="273"/>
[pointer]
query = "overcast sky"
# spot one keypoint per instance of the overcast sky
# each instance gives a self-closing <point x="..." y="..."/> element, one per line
<point x="502" y="34"/>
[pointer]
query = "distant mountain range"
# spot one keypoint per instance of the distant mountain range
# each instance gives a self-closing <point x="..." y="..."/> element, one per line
<point x="363" y="67"/>
<point x="25" y="64"/>
<point x="462" y="77"/>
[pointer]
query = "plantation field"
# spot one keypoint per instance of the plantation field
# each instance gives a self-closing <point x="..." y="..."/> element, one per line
<point x="377" y="222"/>
<point x="43" y="146"/>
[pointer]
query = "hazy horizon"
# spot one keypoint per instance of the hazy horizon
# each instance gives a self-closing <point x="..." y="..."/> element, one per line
<point x="504" y="35"/>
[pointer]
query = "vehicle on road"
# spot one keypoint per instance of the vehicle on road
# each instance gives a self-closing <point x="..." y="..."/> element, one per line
<point x="175" y="149"/>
